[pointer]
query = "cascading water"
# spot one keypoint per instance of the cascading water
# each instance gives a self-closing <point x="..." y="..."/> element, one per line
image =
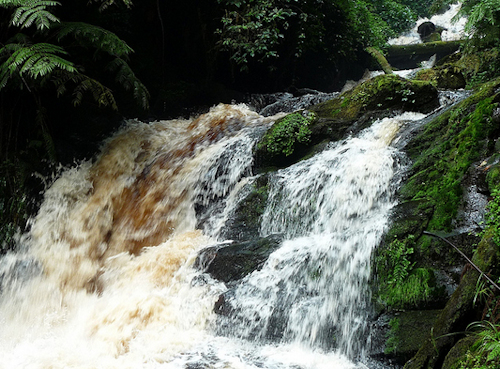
<point x="104" y="279"/>
<point x="332" y="210"/>
<point x="453" y="27"/>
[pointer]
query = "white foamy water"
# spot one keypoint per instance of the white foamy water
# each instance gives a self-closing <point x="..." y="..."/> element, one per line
<point x="454" y="29"/>
<point x="104" y="279"/>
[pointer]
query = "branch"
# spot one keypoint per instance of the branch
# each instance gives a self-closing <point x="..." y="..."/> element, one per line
<point x="465" y="257"/>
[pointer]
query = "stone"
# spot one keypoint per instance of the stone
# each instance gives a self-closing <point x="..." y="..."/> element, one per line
<point x="231" y="262"/>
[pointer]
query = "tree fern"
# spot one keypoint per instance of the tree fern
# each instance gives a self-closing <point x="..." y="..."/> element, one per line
<point x="82" y="85"/>
<point x="127" y="78"/>
<point x="94" y="36"/>
<point x="29" y="12"/>
<point x="35" y="60"/>
<point x="107" y="3"/>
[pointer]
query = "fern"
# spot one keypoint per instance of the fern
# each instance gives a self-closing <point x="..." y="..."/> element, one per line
<point x="107" y="3"/>
<point x="100" y="93"/>
<point x="36" y="60"/>
<point x="31" y="12"/>
<point x="126" y="77"/>
<point x="94" y="36"/>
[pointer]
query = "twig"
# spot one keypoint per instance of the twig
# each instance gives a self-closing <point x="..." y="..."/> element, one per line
<point x="465" y="257"/>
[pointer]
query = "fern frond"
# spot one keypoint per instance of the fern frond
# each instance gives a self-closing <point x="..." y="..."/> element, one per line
<point x="107" y="3"/>
<point x="31" y="12"/>
<point x="100" y="93"/>
<point x="36" y="60"/>
<point x="127" y="78"/>
<point x="94" y="36"/>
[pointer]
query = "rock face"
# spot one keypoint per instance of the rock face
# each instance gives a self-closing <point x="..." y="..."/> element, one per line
<point x="232" y="262"/>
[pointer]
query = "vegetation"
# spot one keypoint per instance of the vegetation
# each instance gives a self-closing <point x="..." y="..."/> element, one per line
<point x="43" y="54"/>
<point x="269" y="29"/>
<point x="286" y="133"/>
<point x="483" y="23"/>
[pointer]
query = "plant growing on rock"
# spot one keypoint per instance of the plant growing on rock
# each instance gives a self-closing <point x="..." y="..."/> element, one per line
<point x="286" y="133"/>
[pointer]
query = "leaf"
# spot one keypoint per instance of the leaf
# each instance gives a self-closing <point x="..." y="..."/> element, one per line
<point x="126" y="77"/>
<point x="94" y="36"/>
<point x="36" y="61"/>
<point x="31" y="12"/>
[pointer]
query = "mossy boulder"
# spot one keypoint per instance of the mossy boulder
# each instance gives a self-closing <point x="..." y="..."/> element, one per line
<point x="293" y="136"/>
<point x="408" y="331"/>
<point x="447" y="76"/>
<point x="382" y="93"/>
<point x="457" y="354"/>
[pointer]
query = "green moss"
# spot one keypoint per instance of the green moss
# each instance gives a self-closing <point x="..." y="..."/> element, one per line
<point x="444" y="151"/>
<point x="286" y="133"/>
<point x="382" y="92"/>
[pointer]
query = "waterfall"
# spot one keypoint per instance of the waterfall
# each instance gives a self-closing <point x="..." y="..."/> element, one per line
<point x="453" y="27"/>
<point x="105" y="276"/>
<point x="332" y="209"/>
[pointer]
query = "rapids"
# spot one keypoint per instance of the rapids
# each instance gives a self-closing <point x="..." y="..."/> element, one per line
<point x="104" y="278"/>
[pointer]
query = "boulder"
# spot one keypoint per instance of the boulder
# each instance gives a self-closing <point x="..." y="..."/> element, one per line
<point x="297" y="134"/>
<point x="426" y="29"/>
<point x="231" y="262"/>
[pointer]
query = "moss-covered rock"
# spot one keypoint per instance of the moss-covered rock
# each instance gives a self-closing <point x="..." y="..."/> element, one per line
<point x="447" y="76"/>
<point x="381" y="93"/>
<point x="409" y="330"/>
<point x="456" y="355"/>
<point x="458" y="312"/>
<point x="293" y="136"/>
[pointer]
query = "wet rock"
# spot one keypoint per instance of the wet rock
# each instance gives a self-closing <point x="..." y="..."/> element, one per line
<point x="231" y="262"/>
<point x="295" y="136"/>
<point x="458" y="352"/>
<point x="406" y="331"/>
<point x="244" y="223"/>
<point x="426" y="29"/>
<point x="458" y="312"/>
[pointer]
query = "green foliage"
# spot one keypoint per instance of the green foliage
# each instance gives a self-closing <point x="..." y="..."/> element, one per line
<point x="30" y="64"/>
<point x="36" y="61"/>
<point x="265" y="30"/>
<point x="485" y="352"/>
<point x="286" y="132"/>
<point x="400" y="284"/>
<point x="88" y="35"/>
<point x="483" y="23"/>
<point x="29" y="12"/>
<point x="493" y="215"/>
<point x="392" y="343"/>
